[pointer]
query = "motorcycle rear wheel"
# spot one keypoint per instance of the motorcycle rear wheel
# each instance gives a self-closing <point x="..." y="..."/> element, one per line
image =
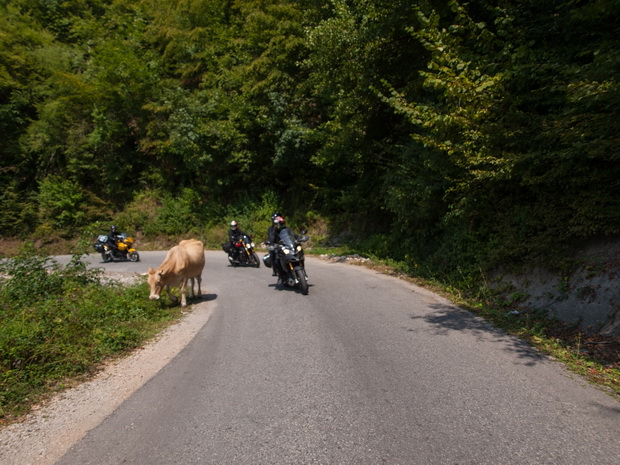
<point x="303" y="283"/>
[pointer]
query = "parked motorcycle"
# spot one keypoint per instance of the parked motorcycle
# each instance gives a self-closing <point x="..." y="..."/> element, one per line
<point x="126" y="249"/>
<point x="243" y="252"/>
<point x="291" y="256"/>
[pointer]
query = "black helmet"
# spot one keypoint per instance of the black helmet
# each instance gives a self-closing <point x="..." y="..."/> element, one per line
<point x="275" y="215"/>
<point x="114" y="229"/>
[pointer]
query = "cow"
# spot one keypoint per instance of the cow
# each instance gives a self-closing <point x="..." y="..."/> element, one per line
<point x="183" y="262"/>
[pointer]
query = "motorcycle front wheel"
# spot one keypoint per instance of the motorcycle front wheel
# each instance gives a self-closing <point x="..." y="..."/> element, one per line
<point x="134" y="257"/>
<point x="256" y="260"/>
<point x="303" y="283"/>
<point x="106" y="257"/>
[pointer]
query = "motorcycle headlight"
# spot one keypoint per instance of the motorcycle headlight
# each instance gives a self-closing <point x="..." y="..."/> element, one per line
<point x="252" y="244"/>
<point x="286" y="250"/>
<point x="299" y="248"/>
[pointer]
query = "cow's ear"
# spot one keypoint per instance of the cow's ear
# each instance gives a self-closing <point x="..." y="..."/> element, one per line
<point x="151" y="270"/>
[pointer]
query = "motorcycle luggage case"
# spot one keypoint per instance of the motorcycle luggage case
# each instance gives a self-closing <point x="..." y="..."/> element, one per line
<point x="267" y="260"/>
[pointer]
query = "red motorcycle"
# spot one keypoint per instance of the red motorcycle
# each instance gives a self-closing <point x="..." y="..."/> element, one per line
<point x="242" y="252"/>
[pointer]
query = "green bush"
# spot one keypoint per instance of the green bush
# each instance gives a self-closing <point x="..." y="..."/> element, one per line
<point x="253" y="216"/>
<point x="155" y="213"/>
<point x="140" y="213"/>
<point x="62" y="321"/>
<point x="64" y="205"/>
<point x="18" y="215"/>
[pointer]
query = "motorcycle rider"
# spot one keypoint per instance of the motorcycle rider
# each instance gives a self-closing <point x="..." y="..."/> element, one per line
<point x="272" y="239"/>
<point x="234" y="235"/>
<point x="113" y="239"/>
<point x="279" y="226"/>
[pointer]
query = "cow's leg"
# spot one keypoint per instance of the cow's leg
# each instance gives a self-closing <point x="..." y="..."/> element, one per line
<point x="183" y="287"/>
<point x="191" y="289"/>
<point x="199" y="279"/>
<point x="173" y="297"/>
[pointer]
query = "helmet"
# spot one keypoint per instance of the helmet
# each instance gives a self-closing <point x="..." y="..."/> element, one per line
<point x="233" y="225"/>
<point x="275" y="214"/>
<point x="114" y="229"/>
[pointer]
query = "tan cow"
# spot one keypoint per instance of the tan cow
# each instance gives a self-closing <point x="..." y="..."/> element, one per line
<point x="184" y="262"/>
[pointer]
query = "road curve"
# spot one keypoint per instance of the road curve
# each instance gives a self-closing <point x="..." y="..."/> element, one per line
<point x="366" y="369"/>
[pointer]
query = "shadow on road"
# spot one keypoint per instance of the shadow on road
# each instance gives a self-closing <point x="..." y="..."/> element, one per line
<point x="282" y="287"/>
<point x="445" y="319"/>
<point x="190" y="301"/>
<point x="611" y="412"/>
<point x="205" y="298"/>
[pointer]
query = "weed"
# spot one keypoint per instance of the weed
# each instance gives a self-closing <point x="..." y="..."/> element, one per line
<point x="60" y="322"/>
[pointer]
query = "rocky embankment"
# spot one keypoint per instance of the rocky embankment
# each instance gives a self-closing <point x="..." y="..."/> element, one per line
<point x="589" y="296"/>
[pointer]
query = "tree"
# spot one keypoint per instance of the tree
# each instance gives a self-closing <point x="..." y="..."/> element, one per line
<point x="520" y="131"/>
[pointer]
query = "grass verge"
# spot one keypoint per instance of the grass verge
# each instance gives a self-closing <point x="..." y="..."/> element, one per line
<point x="59" y="323"/>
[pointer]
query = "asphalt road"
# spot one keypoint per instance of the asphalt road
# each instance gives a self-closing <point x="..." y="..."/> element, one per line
<point x="366" y="369"/>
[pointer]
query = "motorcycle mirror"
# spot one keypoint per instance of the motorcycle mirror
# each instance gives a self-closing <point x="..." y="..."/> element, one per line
<point x="303" y="231"/>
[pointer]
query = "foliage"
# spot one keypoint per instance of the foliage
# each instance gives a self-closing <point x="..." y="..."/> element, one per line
<point x="18" y="215"/>
<point x="65" y="205"/>
<point x="494" y="146"/>
<point x="54" y="325"/>
<point x="471" y="133"/>
<point x="177" y="214"/>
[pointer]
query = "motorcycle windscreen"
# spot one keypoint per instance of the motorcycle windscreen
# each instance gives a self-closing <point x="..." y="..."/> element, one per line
<point x="287" y="238"/>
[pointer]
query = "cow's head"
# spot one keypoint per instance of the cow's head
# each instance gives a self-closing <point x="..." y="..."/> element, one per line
<point x="155" y="283"/>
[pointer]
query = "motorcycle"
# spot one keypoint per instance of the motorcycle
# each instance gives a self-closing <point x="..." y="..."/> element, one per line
<point x="243" y="252"/>
<point x="125" y="246"/>
<point x="291" y="256"/>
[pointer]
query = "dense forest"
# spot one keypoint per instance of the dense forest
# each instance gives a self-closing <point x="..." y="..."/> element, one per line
<point x="449" y="133"/>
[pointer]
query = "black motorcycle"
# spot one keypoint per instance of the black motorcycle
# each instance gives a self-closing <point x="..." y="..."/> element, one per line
<point x="242" y="252"/>
<point x="291" y="256"/>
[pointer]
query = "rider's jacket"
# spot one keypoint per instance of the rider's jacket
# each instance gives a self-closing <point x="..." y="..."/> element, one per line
<point x="235" y="236"/>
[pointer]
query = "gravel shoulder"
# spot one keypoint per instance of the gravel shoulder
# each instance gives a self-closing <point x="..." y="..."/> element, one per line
<point x="44" y="435"/>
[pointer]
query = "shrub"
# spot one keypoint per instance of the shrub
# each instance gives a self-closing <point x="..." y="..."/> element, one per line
<point x="62" y="321"/>
<point x="65" y="206"/>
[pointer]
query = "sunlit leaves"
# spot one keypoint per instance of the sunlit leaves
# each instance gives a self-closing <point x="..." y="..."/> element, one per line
<point x="446" y="120"/>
